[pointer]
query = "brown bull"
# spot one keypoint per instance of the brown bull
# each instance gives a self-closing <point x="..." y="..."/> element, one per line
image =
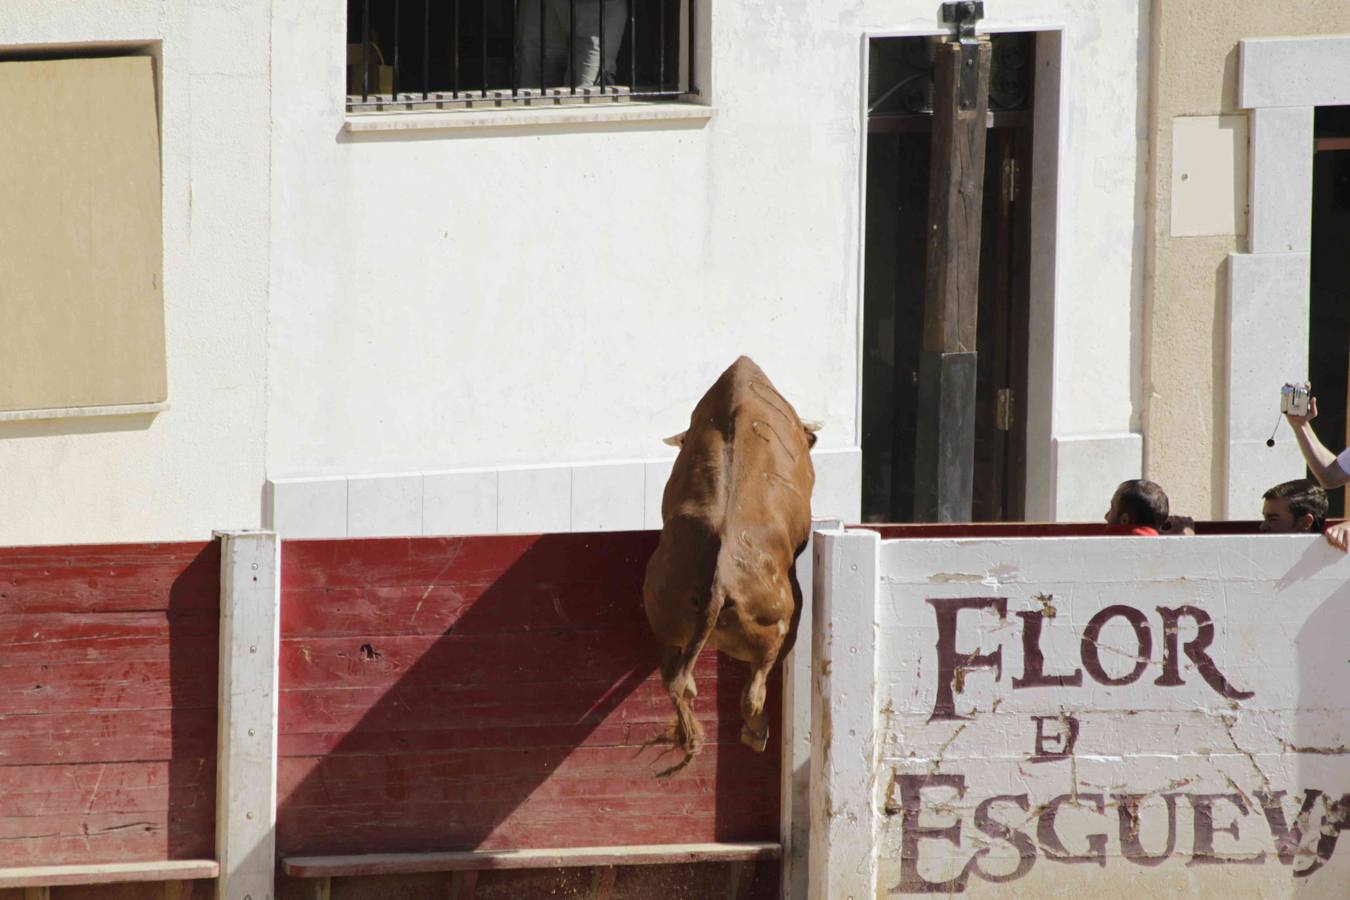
<point x="735" y="514"/>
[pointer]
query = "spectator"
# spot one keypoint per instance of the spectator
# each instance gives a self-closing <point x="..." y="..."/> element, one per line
<point x="1139" y="506"/>
<point x="1330" y="470"/>
<point x="1294" y="507"/>
<point x="571" y="31"/>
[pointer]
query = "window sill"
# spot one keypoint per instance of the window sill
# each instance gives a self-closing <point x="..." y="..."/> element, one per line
<point x="81" y="412"/>
<point x="368" y="123"/>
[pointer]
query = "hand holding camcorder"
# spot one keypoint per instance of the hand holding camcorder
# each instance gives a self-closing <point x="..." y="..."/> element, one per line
<point x="1294" y="400"/>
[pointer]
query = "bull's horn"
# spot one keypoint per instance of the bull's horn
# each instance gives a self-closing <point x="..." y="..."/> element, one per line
<point x="675" y="440"/>
<point x="812" y="427"/>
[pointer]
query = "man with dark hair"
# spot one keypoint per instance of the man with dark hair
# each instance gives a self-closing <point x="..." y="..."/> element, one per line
<point x="1139" y="506"/>
<point x="1330" y="469"/>
<point x="1294" y="507"/>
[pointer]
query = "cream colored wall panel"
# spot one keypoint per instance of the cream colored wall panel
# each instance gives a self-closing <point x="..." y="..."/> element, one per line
<point x="1209" y="175"/>
<point x="81" y="299"/>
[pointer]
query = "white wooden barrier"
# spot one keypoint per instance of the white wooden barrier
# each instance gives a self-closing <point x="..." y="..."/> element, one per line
<point x="1050" y="716"/>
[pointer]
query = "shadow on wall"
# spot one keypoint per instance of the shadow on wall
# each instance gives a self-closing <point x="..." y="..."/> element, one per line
<point x="1321" y="736"/>
<point x="108" y="693"/>
<point x="495" y="693"/>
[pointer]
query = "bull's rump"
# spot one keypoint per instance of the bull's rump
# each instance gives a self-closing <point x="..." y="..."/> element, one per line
<point x="735" y="509"/>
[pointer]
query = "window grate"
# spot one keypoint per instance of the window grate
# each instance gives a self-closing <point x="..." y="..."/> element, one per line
<point x="475" y="54"/>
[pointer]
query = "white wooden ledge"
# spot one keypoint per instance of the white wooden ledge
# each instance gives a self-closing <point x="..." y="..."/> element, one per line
<point x="108" y="873"/>
<point x="478" y="860"/>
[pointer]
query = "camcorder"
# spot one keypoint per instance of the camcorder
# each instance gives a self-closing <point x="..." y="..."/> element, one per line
<point x="1294" y="399"/>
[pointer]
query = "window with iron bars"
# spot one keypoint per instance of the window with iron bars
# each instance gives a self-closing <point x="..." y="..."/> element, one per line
<point x="462" y="54"/>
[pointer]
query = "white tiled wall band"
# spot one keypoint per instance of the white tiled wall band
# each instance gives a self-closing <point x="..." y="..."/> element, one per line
<point x="614" y="496"/>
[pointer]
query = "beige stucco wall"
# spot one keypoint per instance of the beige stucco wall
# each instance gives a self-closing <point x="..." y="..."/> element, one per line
<point x="1195" y="53"/>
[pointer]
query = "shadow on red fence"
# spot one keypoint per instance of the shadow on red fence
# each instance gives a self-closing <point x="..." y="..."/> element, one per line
<point x="495" y="693"/>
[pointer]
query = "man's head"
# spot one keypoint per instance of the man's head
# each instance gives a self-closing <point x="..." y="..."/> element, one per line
<point x="1138" y="503"/>
<point x="1294" y="507"/>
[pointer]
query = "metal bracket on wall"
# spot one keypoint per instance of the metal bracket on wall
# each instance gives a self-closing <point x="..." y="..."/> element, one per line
<point x="963" y="15"/>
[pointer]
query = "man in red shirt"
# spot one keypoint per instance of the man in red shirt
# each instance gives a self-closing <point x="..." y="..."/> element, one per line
<point x="1138" y="507"/>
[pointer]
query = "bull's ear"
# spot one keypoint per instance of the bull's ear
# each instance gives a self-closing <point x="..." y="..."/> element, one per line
<point x="811" y="428"/>
<point x="675" y="440"/>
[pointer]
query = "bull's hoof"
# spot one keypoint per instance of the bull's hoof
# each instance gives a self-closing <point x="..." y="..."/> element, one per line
<point x="755" y="740"/>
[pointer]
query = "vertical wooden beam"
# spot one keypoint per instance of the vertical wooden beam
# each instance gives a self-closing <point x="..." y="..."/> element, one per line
<point x="318" y="888"/>
<point x="602" y="883"/>
<point x="246" y="754"/>
<point x="844" y="807"/>
<point x="795" y="793"/>
<point x="37" y="893"/>
<point x="945" y="454"/>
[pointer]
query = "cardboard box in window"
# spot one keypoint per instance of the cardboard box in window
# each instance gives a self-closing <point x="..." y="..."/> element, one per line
<point x="381" y="76"/>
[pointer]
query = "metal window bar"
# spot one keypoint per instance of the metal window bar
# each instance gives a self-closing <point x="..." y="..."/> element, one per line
<point x="692" y="38"/>
<point x="393" y="87"/>
<point x="667" y="85"/>
<point x="365" y="51"/>
<point x="455" y="83"/>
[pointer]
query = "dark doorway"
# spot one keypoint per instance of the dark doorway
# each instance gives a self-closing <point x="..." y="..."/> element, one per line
<point x="898" y="148"/>
<point x="1329" y="300"/>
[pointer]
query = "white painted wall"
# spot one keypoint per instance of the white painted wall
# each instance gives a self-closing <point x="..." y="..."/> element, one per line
<point x="462" y="299"/>
<point x="198" y="465"/>
<point x="1238" y="747"/>
<point x="395" y="304"/>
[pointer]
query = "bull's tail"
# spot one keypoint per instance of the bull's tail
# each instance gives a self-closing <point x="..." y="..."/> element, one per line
<point x="688" y="731"/>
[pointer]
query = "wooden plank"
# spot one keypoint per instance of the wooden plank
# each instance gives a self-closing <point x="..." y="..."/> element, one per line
<point x="494" y="692"/>
<point x="794" y="712"/>
<point x="547" y="658"/>
<point x="950" y="531"/>
<point x="603" y="883"/>
<point x="477" y="860"/>
<point x="945" y="447"/>
<point x="109" y="578"/>
<point x="956" y="188"/>
<point x="136" y="788"/>
<point x="118" y="736"/>
<point x="246" y="770"/>
<point x="517" y="559"/>
<point x="108" y="873"/>
<point x="843" y="782"/>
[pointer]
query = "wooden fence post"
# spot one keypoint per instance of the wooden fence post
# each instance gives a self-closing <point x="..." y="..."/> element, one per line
<point x="246" y="750"/>
<point x="844" y="715"/>
<point x="945" y="448"/>
<point x="795" y="801"/>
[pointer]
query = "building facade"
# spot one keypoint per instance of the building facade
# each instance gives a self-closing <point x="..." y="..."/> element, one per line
<point x="455" y="317"/>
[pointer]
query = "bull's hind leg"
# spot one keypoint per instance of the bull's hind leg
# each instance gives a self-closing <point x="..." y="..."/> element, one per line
<point x="683" y="733"/>
<point x="670" y="666"/>
<point x="755" y="731"/>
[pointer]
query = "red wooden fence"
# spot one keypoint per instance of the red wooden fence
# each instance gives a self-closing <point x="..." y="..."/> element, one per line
<point x="496" y="692"/>
<point x="108" y="704"/>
